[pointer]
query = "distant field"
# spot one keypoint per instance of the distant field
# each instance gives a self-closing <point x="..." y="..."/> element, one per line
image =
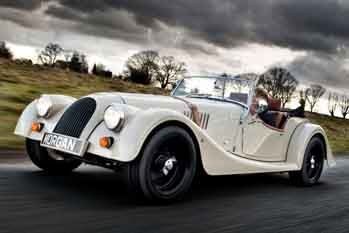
<point x="20" y="84"/>
<point x="337" y="130"/>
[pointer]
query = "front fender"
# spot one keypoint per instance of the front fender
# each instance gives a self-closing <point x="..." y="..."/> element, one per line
<point x="300" y="140"/>
<point x="29" y="115"/>
<point x="129" y="142"/>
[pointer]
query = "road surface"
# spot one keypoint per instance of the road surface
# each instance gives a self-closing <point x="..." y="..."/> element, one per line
<point x="95" y="200"/>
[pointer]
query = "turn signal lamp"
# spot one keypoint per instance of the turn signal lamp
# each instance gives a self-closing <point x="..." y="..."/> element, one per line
<point x="37" y="127"/>
<point x="106" y="142"/>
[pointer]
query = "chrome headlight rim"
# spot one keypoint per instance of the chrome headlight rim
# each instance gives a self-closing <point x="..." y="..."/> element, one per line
<point x="114" y="118"/>
<point x="44" y="106"/>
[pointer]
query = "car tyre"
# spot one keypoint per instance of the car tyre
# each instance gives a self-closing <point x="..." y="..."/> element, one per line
<point x="313" y="163"/>
<point x="41" y="158"/>
<point x="166" y="167"/>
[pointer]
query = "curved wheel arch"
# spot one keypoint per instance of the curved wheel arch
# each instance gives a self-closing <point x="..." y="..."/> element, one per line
<point x="151" y="176"/>
<point x="183" y="126"/>
<point x="301" y="139"/>
<point x="322" y="138"/>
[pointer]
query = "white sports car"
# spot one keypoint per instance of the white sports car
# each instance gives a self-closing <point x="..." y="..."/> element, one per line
<point x="212" y="124"/>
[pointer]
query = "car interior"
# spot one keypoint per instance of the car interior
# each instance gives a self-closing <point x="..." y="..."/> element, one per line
<point x="274" y="106"/>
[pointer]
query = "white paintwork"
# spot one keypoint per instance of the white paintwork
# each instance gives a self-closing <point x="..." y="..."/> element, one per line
<point x="229" y="145"/>
<point x="261" y="142"/>
<point x="30" y="115"/>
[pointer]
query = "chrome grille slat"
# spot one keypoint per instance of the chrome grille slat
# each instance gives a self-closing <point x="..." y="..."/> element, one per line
<point x="76" y="117"/>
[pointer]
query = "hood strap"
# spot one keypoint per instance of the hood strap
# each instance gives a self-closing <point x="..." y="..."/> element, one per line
<point x="193" y="108"/>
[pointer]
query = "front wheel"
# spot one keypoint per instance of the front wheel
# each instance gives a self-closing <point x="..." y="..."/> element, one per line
<point x="165" y="169"/>
<point x="313" y="163"/>
<point x="44" y="159"/>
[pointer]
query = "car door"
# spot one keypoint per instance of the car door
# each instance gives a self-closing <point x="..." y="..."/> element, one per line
<point x="262" y="142"/>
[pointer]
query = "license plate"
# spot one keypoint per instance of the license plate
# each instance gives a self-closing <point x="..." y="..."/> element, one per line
<point x="64" y="143"/>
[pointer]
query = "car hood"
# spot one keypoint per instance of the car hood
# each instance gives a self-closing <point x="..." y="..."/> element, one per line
<point x="147" y="101"/>
<point x="141" y="101"/>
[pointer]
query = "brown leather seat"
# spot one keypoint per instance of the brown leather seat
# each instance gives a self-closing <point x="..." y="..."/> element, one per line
<point x="274" y="104"/>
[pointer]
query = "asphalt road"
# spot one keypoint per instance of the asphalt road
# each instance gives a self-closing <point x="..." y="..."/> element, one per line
<point x="95" y="200"/>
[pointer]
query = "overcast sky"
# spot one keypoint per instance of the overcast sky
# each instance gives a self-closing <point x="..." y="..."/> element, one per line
<point x="309" y="37"/>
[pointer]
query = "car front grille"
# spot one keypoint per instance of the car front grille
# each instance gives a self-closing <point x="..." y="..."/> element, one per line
<point x="76" y="117"/>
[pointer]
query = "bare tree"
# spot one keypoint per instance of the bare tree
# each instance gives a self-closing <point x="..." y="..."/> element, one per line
<point x="333" y="100"/>
<point x="50" y="54"/>
<point x="5" y="52"/>
<point x="279" y="83"/>
<point x="169" y="70"/>
<point x="141" y="67"/>
<point x="313" y="95"/>
<point x="344" y="105"/>
<point x="302" y="101"/>
<point x="78" y="63"/>
<point x="100" y="70"/>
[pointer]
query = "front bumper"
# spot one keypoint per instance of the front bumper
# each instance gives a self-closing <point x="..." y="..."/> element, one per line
<point x="93" y="147"/>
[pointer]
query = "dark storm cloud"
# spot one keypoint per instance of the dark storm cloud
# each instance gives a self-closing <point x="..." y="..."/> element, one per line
<point x="217" y="22"/>
<point x="21" y="4"/>
<point x="329" y="71"/>
<point x="111" y="23"/>
<point x="64" y="13"/>
<point x="297" y="24"/>
<point x="311" y="25"/>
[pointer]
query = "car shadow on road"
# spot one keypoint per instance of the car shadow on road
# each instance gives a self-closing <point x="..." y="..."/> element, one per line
<point x="107" y="187"/>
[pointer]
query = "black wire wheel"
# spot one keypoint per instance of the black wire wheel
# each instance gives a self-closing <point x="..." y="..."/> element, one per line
<point x="48" y="160"/>
<point x="313" y="163"/>
<point x="166" y="167"/>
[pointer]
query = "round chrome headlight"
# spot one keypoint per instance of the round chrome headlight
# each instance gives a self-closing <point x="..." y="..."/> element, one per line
<point x="114" y="118"/>
<point x="43" y="106"/>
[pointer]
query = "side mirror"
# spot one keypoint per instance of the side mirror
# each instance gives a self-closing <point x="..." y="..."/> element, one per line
<point x="262" y="106"/>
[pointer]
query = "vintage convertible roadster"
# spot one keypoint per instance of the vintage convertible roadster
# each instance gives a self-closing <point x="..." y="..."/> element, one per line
<point x="163" y="141"/>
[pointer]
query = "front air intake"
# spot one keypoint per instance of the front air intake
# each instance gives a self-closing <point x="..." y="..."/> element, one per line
<point x="76" y="117"/>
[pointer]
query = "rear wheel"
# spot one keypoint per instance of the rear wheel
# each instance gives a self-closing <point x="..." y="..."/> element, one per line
<point x="166" y="167"/>
<point x="48" y="160"/>
<point x="313" y="163"/>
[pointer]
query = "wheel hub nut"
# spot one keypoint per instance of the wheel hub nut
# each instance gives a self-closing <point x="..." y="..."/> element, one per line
<point x="168" y="166"/>
<point x="312" y="162"/>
